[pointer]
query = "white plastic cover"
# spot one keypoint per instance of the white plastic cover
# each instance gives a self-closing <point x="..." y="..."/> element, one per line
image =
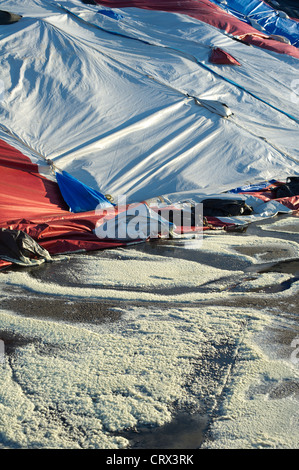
<point x="118" y="112"/>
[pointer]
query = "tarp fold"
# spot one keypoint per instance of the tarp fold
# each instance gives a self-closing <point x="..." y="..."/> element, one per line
<point x="78" y="196"/>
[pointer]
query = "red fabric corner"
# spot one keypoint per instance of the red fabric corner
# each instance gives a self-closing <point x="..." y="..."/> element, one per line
<point x="218" y="56"/>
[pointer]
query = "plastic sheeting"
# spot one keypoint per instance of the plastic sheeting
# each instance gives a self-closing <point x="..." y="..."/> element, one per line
<point x="19" y="248"/>
<point x="32" y="204"/>
<point x="118" y="114"/>
<point x="133" y="107"/>
<point x="220" y="57"/>
<point x="211" y="14"/>
<point x="24" y="191"/>
<point x="257" y="13"/>
<point x="46" y="228"/>
<point x="78" y="196"/>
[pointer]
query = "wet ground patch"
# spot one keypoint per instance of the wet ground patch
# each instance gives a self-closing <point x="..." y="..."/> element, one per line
<point x="185" y="431"/>
<point x="63" y="309"/>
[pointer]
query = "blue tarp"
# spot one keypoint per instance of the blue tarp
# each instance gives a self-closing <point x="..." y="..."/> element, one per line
<point x="252" y="188"/>
<point x="256" y="12"/>
<point x="78" y="196"/>
<point x="111" y="14"/>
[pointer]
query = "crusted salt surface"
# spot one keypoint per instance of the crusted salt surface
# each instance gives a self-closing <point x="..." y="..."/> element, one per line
<point x="70" y="386"/>
<point x="25" y="281"/>
<point x="110" y="278"/>
<point x="263" y="280"/>
<point x="260" y="409"/>
<point x="255" y="246"/>
<point x="82" y="386"/>
<point x="287" y="225"/>
<point x="153" y="271"/>
<point x="132" y="270"/>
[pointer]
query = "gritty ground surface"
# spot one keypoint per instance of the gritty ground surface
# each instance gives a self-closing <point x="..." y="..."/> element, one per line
<point x="189" y="428"/>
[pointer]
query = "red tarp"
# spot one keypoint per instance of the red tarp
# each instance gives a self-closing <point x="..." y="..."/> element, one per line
<point x="211" y="14"/>
<point x="291" y="202"/>
<point x="23" y="191"/>
<point x="32" y="203"/>
<point x="218" y="56"/>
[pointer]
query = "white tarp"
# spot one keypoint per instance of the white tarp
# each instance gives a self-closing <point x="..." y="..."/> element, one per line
<point x="115" y="112"/>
